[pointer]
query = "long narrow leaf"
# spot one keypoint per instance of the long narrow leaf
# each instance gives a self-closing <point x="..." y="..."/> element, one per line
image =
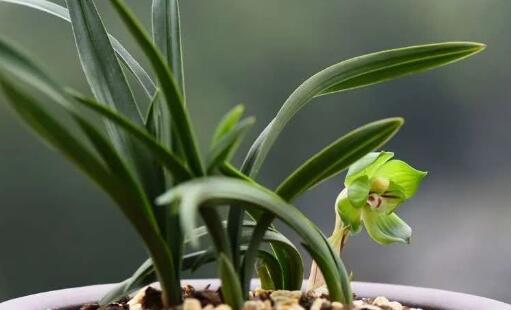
<point x="99" y="62"/>
<point x="130" y="198"/>
<point x="167" y="36"/>
<point x="145" y="273"/>
<point x="227" y="122"/>
<point x="169" y="87"/>
<point x="216" y="231"/>
<point x="229" y="170"/>
<point x="250" y="256"/>
<point x="269" y="271"/>
<point x="216" y="191"/>
<point x="225" y="147"/>
<point x="109" y="86"/>
<point x="231" y="288"/>
<point x="129" y="61"/>
<point x="353" y="73"/>
<point x="56" y="135"/>
<point x="169" y="160"/>
<point x="338" y="156"/>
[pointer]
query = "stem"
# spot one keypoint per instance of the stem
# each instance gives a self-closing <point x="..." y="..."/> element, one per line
<point x="338" y="241"/>
<point x="164" y="267"/>
<point x="340" y="235"/>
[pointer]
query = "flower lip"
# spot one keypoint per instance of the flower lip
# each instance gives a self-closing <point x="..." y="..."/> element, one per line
<point x="374" y="200"/>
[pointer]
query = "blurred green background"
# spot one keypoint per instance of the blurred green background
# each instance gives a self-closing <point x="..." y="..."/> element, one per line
<point x="57" y="230"/>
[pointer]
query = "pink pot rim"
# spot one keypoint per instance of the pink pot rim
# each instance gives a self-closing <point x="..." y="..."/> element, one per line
<point x="426" y="298"/>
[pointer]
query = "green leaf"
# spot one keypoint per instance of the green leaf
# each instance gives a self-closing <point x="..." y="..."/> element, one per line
<point x="231" y="288"/>
<point x="218" y="191"/>
<point x="350" y="215"/>
<point x="358" y="191"/>
<point x="229" y="170"/>
<point x="387" y="65"/>
<point x="166" y="26"/>
<point x="367" y="165"/>
<point x="338" y="156"/>
<point x="399" y="172"/>
<point x="169" y="87"/>
<point x="292" y="264"/>
<point x="216" y="231"/>
<point x="122" y="189"/>
<point x="225" y="147"/>
<point x="352" y="73"/>
<point x="167" y="38"/>
<point x="129" y="61"/>
<point x="99" y="62"/>
<point x="247" y="268"/>
<point x="117" y="183"/>
<point x="109" y="86"/>
<point x="145" y="273"/>
<point x="143" y="276"/>
<point x="13" y="62"/>
<point x="55" y="134"/>
<point x="227" y="123"/>
<point x="269" y="271"/>
<point x="386" y="228"/>
<point x="163" y="155"/>
<point x="150" y="122"/>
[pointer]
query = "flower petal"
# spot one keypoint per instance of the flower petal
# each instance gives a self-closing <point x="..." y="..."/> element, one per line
<point x="358" y="191"/>
<point x="392" y="198"/>
<point x="367" y="165"/>
<point x="386" y="228"/>
<point x="403" y="175"/>
<point x="350" y="215"/>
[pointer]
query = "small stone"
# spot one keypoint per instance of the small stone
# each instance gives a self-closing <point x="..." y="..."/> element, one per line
<point x="209" y="307"/>
<point x="384" y="302"/>
<point x="283" y="298"/>
<point x="267" y="305"/>
<point x="394" y="305"/>
<point x="288" y="307"/>
<point x="358" y="303"/>
<point x="380" y="301"/>
<point x="319" y="304"/>
<point x="191" y="304"/>
<point x="136" y="307"/>
<point x="292" y="294"/>
<point x="258" y="292"/>
<point x="223" y="307"/>
<point x="337" y="306"/>
<point x="257" y="305"/>
<point x="320" y="291"/>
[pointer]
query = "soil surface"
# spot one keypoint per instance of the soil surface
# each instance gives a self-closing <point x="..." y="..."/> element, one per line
<point x="150" y="299"/>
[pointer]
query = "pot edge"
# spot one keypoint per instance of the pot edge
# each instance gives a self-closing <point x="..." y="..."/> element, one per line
<point x="427" y="298"/>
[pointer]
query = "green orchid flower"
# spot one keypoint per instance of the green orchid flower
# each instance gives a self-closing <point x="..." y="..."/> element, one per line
<point x="375" y="187"/>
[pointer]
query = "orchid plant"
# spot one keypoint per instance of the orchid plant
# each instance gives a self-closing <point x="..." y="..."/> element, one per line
<point x="147" y="160"/>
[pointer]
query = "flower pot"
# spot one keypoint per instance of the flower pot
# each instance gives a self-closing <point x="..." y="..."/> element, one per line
<point x="425" y="298"/>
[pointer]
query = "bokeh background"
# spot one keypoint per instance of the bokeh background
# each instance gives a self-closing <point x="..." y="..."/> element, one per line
<point x="57" y="230"/>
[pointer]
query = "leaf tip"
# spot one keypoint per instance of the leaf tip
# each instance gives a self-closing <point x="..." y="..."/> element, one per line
<point x="239" y="109"/>
<point x="479" y="47"/>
